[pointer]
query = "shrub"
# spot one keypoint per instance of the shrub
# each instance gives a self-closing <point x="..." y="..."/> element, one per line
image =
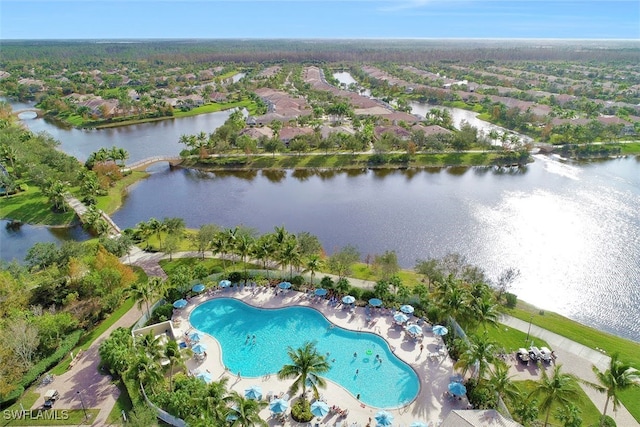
<point x="326" y="282"/>
<point x="161" y="313"/>
<point x="297" y="281"/>
<point x="301" y="411"/>
<point x="235" y="277"/>
<point x="511" y="300"/>
<point x="479" y="396"/>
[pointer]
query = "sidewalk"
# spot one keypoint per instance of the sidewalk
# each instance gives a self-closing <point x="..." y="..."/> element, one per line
<point x="576" y="359"/>
<point x="96" y="390"/>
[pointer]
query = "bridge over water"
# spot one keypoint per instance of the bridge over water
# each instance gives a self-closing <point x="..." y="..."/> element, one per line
<point x="145" y="163"/>
<point x="39" y="112"/>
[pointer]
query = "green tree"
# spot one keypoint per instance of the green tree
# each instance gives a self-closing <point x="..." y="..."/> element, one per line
<point x="313" y="264"/>
<point x="144" y="370"/>
<point x="56" y="192"/>
<point x="204" y="237"/>
<point x="175" y="357"/>
<point x="386" y="264"/>
<point x="479" y="355"/>
<point x="144" y="292"/>
<point x="340" y="262"/>
<point x="115" y="352"/>
<point x="558" y="388"/>
<point x="618" y="377"/>
<point x="307" y="366"/>
<point x="245" y="412"/>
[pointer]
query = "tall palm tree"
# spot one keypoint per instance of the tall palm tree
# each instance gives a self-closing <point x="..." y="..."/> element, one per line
<point x="150" y="345"/>
<point x="216" y="399"/>
<point x="157" y="227"/>
<point x="480" y="354"/>
<point x="306" y="367"/>
<point x="262" y="250"/>
<point x="246" y="411"/>
<point x="175" y="357"/>
<point x="500" y="382"/>
<point x="220" y="245"/>
<point x="289" y="255"/>
<point x="618" y="377"/>
<point x="484" y="311"/>
<point x="314" y="263"/>
<point x="243" y="247"/>
<point x="145" y="370"/>
<point x="560" y="387"/>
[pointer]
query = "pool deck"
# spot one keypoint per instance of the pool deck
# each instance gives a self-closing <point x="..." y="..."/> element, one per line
<point x="434" y="372"/>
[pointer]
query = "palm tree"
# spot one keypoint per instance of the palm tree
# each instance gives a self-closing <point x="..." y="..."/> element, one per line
<point x="216" y="398"/>
<point x="618" y="377"/>
<point x="262" y="250"/>
<point x="176" y="358"/>
<point x="150" y="345"/>
<point x="560" y="387"/>
<point x="143" y="292"/>
<point x="485" y="311"/>
<point x="306" y="367"/>
<point x="56" y="193"/>
<point x="501" y="382"/>
<point x="314" y="263"/>
<point x="290" y="255"/>
<point x="145" y="370"/>
<point x="246" y="411"/>
<point x="480" y="353"/>
<point x="157" y="227"/>
<point x="220" y="245"/>
<point x="244" y="246"/>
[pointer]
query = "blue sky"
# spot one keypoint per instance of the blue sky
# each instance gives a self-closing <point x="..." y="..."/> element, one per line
<point x="124" y="19"/>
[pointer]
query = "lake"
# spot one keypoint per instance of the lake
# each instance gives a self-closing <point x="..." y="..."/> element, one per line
<point x="572" y="229"/>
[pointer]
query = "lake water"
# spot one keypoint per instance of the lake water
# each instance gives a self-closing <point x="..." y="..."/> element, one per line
<point x="573" y="230"/>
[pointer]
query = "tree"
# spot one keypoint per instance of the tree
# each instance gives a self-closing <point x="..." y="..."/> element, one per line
<point x="56" y="192"/>
<point x="306" y="367"/>
<point x="115" y="351"/>
<point x="145" y="370"/>
<point x="204" y="237"/>
<point x="171" y="245"/>
<point x="386" y="264"/>
<point x="245" y="412"/>
<point x="158" y="228"/>
<point x="144" y="292"/>
<point x="42" y="255"/>
<point x="289" y="255"/>
<point x="501" y="382"/>
<point x="22" y="337"/>
<point x="340" y="262"/>
<point x="175" y="357"/>
<point x="479" y="355"/>
<point x="313" y="264"/>
<point x="559" y="388"/>
<point x="619" y="376"/>
<point x="243" y="247"/>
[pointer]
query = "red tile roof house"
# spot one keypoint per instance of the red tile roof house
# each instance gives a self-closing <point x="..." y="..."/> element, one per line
<point x="398" y="131"/>
<point x="288" y="133"/>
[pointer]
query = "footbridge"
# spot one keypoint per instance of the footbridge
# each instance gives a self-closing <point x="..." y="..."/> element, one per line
<point x="145" y="163"/>
<point x="39" y="112"/>
<point x="80" y="209"/>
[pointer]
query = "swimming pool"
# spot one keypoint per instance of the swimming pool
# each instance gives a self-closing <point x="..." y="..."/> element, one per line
<point x="387" y="384"/>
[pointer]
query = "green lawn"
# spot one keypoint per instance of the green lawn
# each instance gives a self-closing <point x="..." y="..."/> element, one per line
<point x="33" y="207"/>
<point x="629" y="350"/>
<point x="122" y="404"/>
<point x="510" y="339"/>
<point x="112" y="201"/>
<point x="215" y="107"/>
<point x="588" y="412"/>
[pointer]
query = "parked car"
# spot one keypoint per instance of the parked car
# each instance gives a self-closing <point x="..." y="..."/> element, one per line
<point x="523" y="355"/>
<point x="50" y="397"/>
<point x="546" y="354"/>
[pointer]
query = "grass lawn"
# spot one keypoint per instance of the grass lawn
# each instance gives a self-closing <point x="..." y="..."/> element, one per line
<point x="631" y="148"/>
<point x="55" y="417"/>
<point x="363" y="271"/>
<point x="510" y="339"/>
<point x="588" y="412"/>
<point x="88" y="339"/>
<point x="113" y="200"/>
<point x="215" y="107"/>
<point x="592" y="338"/>
<point x="122" y="404"/>
<point x="33" y="207"/>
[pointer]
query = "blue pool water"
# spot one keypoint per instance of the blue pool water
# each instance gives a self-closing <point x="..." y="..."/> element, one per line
<point x="389" y="384"/>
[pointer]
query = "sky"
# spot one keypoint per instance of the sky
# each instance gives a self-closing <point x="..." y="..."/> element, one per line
<point x="169" y="19"/>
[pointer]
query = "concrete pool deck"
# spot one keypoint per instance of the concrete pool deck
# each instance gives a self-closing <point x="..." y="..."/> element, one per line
<point x="434" y="373"/>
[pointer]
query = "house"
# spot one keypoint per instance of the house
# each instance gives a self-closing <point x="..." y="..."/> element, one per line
<point x="288" y="133"/>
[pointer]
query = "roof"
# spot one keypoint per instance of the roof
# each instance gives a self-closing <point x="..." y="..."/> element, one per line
<point x="477" y="418"/>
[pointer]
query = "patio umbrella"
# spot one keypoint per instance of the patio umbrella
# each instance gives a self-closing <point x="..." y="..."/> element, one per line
<point x="205" y="376"/>
<point x="419" y="424"/>
<point x="407" y="309"/>
<point x="224" y="283"/>
<point x="181" y="303"/>
<point x="254" y="392"/>
<point x="375" y="302"/>
<point x="284" y="285"/>
<point x="414" y="329"/>
<point x="278" y="406"/>
<point x="319" y="408"/>
<point x="457" y="388"/>
<point x="383" y="419"/>
<point x="440" y="330"/>
<point x="320" y="292"/>
<point x="199" y="348"/>
<point x="232" y="416"/>
<point x="400" y="317"/>
<point x="195" y="336"/>
<point x="198" y="288"/>
<point x="348" y="299"/>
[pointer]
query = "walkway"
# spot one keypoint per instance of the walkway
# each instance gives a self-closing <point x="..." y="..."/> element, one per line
<point x="81" y="209"/>
<point x="98" y="392"/>
<point x="144" y="163"/>
<point x="576" y="359"/>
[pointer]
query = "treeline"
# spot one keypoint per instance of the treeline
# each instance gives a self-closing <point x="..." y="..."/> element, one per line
<point x="273" y="51"/>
